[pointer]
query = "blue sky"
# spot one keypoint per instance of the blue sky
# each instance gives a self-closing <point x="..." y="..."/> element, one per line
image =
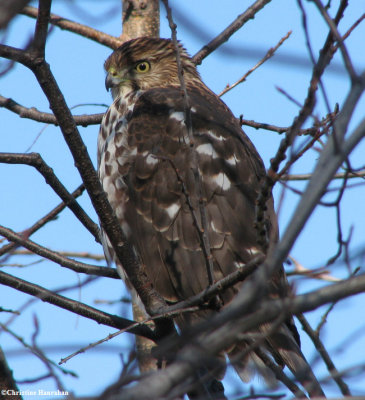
<point x="77" y="64"/>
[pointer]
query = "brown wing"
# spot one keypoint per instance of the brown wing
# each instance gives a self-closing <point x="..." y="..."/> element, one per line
<point x="157" y="212"/>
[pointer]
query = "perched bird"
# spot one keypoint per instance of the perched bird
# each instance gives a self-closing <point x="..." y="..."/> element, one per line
<point x="183" y="179"/>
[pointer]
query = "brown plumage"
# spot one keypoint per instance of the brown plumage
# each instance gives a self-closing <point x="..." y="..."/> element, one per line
<point x="147" y="159"/>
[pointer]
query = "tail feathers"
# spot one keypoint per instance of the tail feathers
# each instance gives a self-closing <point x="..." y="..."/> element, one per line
<point x="285" y="350"/>
<point x="284" y="347"/>
<point x="250" y="365"/>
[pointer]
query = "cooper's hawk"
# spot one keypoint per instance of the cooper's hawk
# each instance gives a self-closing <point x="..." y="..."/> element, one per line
<point x="174" y="166"/>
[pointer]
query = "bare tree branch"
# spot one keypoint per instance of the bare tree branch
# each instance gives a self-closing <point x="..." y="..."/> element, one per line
<point x="267" y="56"/>
<point x="36" y="161"/>
<point x="333" y="27"/>
<point x="233" y="321"/>
<point x="41" y="28"/>
<point x="140" y="18"/>
<point x="151" y="299"/>
<point x="57" y="258"/>
<point x="43" y="221"/>
<point x="75" y="27"/>
<point x="74" y="306"/>
<point x="8" y="10"/>
<point x="306" y="177"/>
<point x="325" y="356"/>
<point x="7" y="380"/>
<point x="324" y="59"/>
<point x="76" y="254"/>
<point x="48" y="118"/>
<point x="230" y="30"/>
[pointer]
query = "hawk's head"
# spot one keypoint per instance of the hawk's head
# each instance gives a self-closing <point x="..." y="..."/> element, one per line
<point x="146" y="63"/>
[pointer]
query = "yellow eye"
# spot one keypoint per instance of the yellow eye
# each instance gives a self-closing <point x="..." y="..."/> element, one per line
<point x="142" y="67"/>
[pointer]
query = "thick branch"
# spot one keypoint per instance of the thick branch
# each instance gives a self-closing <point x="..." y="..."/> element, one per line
<point x="74" y="306"/>
<point x="48" y="118"/>
<point x="189" y="358"/>
<point x="41" y="28"/>
<point x="141" y="18"/>
<point x="7" y="380"/>
<point x="151" y="299"/>
<point x="124" y="252"/>
<point x="136" y="274"/>
<point x="79" y="29"/>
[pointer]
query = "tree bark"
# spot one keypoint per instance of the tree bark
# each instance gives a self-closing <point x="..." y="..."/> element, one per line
<point x="140" y="18"/>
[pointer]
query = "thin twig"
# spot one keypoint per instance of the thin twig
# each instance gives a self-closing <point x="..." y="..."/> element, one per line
<point x="36" y="161"/>
<point x="325" y="57"/>
<point x="205" y="242"/>
<point x="274" y="128"/>
<point x="333" y="30"/>
<point x="199" y="231"/>
<point x="305" y="177"/>
<point x="218" y="287"/>
<point x="75" y="254"/>
<point x="57" y="258"/>
<point x="324" y="354"/>
<point x="43" y="221"/>
<point x="34" y="350"/>
<point x="230" y="30"/>
<point x="267" y="56"/>
<point x="169" y="314"/>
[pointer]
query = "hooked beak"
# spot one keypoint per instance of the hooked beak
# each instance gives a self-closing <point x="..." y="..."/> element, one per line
<point x="111" y="81"/>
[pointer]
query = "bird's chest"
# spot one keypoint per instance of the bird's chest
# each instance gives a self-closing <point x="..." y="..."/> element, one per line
<point x="114" y="153"/>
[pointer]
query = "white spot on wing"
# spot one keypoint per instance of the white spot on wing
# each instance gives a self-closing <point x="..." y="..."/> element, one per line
<point x="126" y="229"/>
<point x="222" y="180"/>
<point x="214" y="228"/>
<point x="151" y="159"/>
<point x="208" y="149"/>
<point x="215" y="136"/>
<point x="119" y="183"/>
<point x="239" y="264"/>
<point x="193" y="109"/>
<point x="120" y="138"/>
<point x="178" y="115"/>
<point x="109" y="188"/>
<point x="119" y="211"/>
<point x="253" y="250"/>
<point x="232" y="160"/>
<point x="172" y="210"/>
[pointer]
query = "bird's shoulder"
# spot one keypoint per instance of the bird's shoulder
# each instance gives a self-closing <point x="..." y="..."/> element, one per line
<point x="160" y="112"/>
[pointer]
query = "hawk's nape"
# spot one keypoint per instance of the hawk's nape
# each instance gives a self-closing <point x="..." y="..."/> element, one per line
<point x="157" y="169"/>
